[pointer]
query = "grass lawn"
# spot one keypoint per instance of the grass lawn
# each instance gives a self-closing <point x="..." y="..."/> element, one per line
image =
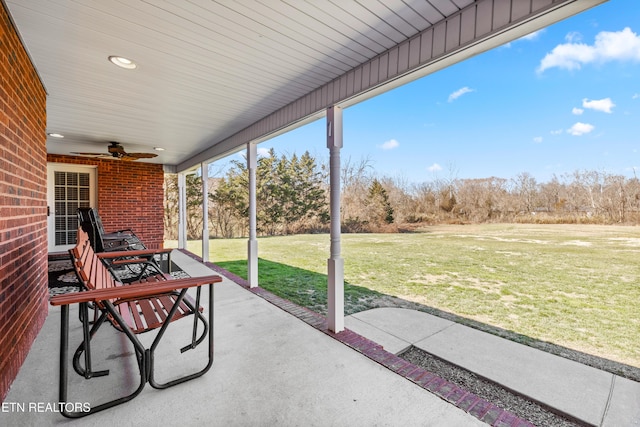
<point x="574" y="286"/>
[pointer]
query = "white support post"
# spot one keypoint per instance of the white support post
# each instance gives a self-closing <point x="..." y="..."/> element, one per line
<point x="252" y="245"/>
<point x="335" y="263"/>
<point x="182" y="210"/>
<point x="204" y="167"/>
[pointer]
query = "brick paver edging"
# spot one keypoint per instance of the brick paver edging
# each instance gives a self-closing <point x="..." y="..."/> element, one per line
<point x="463" y="399"/>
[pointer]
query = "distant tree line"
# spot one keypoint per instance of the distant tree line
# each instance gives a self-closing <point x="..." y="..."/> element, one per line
<point x="293" y="197"/>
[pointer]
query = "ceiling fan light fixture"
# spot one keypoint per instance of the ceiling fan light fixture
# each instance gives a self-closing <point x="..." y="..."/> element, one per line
<point x="123" y="62"/>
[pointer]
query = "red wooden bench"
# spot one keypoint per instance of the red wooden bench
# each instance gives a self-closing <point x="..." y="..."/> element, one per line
<point x="141" y="306"/>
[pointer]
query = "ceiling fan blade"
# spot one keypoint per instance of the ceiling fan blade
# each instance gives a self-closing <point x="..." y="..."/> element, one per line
<point x="141" y="155"/>
<point x="92" y="154"/>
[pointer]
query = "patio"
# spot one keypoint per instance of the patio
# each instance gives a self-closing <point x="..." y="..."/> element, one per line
<point x="302" y="65"/>
<point x="270" y="368"/>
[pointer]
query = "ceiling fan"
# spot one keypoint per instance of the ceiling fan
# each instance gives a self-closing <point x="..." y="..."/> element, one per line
<point x="116" y="151"/>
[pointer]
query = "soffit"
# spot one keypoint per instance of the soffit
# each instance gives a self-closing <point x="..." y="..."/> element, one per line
<point x="206" y="69"/>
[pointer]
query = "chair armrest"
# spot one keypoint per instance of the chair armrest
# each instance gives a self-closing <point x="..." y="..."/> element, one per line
<point x="113" y="234"/>
<point x="137" y="252"/>
<point x="133" y="291"/>
<point x="129" y="261"/>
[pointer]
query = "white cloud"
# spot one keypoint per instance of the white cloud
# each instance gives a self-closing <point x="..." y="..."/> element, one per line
<point x="580" y="129"/>
<point x="557" y="132"/>
<point x="390" y="144"/>
<point x="635" y="96"/>
<point x="532" y="36"/>
<point x="577" y="111"/>
<point x="573" y="37"/>
<point x="608" y="46"/>
<point x="605" y="105"/>
<point x="457" y="94"/>
<point x="262" y="151"/>
<point x="537" y="139"/>
<point x="434" y="168"/>
<point x="529" y="37"/>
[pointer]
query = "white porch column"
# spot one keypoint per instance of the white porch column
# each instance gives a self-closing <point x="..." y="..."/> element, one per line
<point x="182" y="210"/>
<point x="252" y="252"/>
<point x="335" y="264"/>
<point x="204" y="167"/>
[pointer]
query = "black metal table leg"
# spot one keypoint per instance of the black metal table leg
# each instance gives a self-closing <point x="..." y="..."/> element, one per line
<point x="64" y="353"/>
<point x="156" y="341"/>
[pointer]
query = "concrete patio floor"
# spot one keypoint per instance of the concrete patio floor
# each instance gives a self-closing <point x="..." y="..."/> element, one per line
<point x="270" y="368"/>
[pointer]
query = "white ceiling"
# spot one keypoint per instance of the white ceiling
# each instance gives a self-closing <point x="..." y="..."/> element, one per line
<point x="208" y="69"/>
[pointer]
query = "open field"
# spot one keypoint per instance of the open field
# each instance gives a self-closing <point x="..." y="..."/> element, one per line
<point x="570" y="285"/>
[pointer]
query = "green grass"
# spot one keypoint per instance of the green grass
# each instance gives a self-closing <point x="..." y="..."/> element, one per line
<point x="574" y="286"/>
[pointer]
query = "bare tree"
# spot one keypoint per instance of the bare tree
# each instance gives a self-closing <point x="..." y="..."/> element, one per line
<point x="424" y="208"/>
<point x="615" y="200"/>
<point x="526" y="189"/>
<point x="400" y="198"/>
<point x="480" y="199"/>
<point x="553" y="196"/>
<point x="356" y="178"/>
<point x="171" y="206"/>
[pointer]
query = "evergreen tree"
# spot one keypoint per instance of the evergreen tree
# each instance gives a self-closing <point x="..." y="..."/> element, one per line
<point x="194" y="206"/>
<point x="380" y="210"/>
<point x="290" y="193"/>
<point x="306" y="193"/>
<point x="231" y="199"/>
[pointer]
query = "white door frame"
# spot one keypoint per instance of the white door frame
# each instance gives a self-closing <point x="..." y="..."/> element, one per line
<point x="93" y="197"/>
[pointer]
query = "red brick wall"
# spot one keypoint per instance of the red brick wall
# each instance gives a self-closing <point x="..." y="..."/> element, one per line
<point x="23" y="204"/>
<point x="130" y="195"/>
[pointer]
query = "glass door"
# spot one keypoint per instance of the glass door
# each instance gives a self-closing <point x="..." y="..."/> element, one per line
<point x="69" y="187"/>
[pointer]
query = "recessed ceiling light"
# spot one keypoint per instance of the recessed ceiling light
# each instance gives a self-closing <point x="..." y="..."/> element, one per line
<point x="123" y="62"/>
<point x="158" y="148"/>
<point x="56" y="135"/>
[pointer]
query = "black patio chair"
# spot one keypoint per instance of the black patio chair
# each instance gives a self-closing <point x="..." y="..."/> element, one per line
<point x="101" y="241"/>
<point x="123" y="241"/>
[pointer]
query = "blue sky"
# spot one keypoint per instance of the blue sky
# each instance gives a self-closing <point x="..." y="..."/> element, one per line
<point x="563" y="99"/>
